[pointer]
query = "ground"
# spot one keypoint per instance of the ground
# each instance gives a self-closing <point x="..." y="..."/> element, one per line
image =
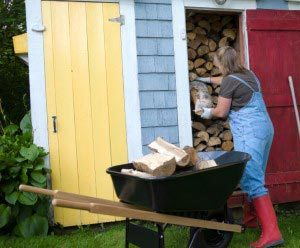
<point x="112" y="236"/>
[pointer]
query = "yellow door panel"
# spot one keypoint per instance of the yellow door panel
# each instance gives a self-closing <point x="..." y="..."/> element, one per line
<point x="51" y="106"/>
<point x="113" y="59"/>
<point x="84" y="86"/>
<point x="82" y="105"/>
<point x="100" y="118"/>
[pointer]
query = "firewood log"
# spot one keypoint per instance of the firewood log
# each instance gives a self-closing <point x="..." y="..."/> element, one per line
<point x="229" y="33"/>
<point x="199" y="62"/>
<point x="203" y="136"/>
<point x="196" y="141"/>
<point x="200" y="147"/>
<point x="212" y="45"/>
<point x="198" y="126"/>
<point x="217" y="90"/>
<point x="223" y="42"/>
<point x="202" y="50"/>
<point x="203" y="38"/>
<point x="210" y="56"/>
<point x="192" y="76"/>
<point x="194" y="44"/>
<point x="192" y="54"/>
<point x="191" y="35"/>
<point x="201" y="71"/>
<point x="209" y="65"/>
<point x="190" y="26"/>
<point x="226" y="124"/>
<point x="156" y="164"/>
<point x="205" y="164"/>
<point x="193" y="155"/>
<point x="210" y="89"/>
<point x="199" y="30"/>
<point x="202" y="98"/>
<point x="214" y="141"/>
<point x="163" y="147"/>
<point x="226" y="135"/>
<point x="214" y="129"/>
<point x="191" y="65"/>
<point x="210" y="149"/>
<point x="204" y="24"/>
<point x="136" y="173"/>
<point x="215" y="71"/>
<point x="227" y="145"/>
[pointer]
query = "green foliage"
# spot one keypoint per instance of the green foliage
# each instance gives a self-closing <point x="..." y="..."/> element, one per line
<point x="14" y="87"/>
<point x="22" y="162"/>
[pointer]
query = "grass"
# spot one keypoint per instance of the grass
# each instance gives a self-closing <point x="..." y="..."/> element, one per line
<point x="112" y="236"/>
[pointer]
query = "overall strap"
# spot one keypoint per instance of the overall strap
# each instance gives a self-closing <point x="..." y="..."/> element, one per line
<point x="257" y="80"/>
<point x="242" y="81"/>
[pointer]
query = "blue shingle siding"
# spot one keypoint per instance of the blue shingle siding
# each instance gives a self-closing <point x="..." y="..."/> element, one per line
<point x="274" y="4"/>
<point x="156" y="71"/>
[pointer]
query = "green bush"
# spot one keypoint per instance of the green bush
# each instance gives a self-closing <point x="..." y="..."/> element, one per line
<point x="22" y="162"/>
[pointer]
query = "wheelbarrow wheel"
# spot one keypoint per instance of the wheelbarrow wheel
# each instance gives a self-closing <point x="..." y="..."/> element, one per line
<point x="216" y="238"/>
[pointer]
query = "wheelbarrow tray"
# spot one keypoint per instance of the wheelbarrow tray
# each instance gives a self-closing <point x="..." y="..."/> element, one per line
<point x="187" y="190"/>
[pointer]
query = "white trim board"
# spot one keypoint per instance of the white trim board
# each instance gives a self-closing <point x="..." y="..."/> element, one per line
<point x="181" y="73"/>
<point x="37" y="74"/>
<point x="181" y="58"/>
<point x="230" y="5"/>
<point x="130" y="79"/>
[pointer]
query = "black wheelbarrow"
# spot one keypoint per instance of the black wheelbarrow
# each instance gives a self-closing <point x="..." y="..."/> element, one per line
<point x="196" y="199"/>
<point x="189" y="193"/>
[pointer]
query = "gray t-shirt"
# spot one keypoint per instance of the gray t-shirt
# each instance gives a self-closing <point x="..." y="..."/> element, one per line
<point x="237" y="91"/>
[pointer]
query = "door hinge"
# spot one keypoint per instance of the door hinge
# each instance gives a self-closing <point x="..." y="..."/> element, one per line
<point x="120" y="19"/>
<point x="38" y="27"/>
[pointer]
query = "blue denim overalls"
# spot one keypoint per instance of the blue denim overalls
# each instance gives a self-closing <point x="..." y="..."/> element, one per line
<point x="253" y="133"/>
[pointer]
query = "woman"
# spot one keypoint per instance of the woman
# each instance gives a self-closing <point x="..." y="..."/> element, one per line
<point x="240" y="97"/>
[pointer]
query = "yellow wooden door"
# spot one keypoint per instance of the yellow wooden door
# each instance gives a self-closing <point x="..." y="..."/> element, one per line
<point x="84" y="87"/>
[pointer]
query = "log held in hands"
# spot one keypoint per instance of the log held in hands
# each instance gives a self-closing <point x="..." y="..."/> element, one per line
<point x="101" y="206"/>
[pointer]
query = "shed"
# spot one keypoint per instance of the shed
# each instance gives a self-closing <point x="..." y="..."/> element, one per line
<point x="107" y="77"/>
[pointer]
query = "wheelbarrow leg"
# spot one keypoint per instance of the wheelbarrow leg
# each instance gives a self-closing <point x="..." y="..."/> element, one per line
<point x="161" y="237"/>
<point x="194" y="241"/>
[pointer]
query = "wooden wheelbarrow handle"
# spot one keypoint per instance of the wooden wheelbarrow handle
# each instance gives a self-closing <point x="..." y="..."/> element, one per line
<point x="140" y="214"/>
<point x="107" y="207"/>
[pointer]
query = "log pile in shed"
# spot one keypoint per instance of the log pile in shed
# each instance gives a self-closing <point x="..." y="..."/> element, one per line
<point x="206" y="33"/>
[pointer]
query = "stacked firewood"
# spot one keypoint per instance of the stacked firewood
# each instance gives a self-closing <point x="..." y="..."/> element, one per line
<point x="206" y="33"/>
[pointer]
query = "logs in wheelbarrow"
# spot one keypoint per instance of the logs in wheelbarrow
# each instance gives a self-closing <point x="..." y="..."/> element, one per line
<point x="107" y="207"/>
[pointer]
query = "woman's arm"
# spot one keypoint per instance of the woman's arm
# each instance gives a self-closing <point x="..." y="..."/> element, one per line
<point x="210" y="80"/>
<point x="223" y="107"/>
<point x="216" y="80"/>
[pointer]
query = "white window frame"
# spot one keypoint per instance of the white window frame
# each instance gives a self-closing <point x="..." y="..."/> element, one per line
<point x="38" y="83"/>
<point x="181" y="57"/>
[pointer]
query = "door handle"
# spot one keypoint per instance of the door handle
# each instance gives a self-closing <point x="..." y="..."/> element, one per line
<point x="54" y="118"/>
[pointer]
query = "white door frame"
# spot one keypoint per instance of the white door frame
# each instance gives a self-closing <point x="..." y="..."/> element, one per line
<point x="38" y="83"/>
<point x="181" y="57"/>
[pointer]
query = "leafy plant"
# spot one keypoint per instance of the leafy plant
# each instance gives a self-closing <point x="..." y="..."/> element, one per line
<point x="22" y="162"/>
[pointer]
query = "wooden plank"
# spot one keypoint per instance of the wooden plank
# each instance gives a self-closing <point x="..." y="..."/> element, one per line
<point x="51" y="105"/>
<point x="64" y="103"/>
<point x="115" y="92"/>
<point x="113" y="63"/>
<point x="20" y="44"/>
<point x="99" y="102"/>
<point x="82" y="105"/>
<point x="141" y="214"/>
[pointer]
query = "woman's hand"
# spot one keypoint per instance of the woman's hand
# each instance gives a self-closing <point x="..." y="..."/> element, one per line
<point x="221" y="111"/>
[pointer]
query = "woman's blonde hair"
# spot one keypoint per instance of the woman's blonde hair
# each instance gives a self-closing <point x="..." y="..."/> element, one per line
<point x="229" y="60"/>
